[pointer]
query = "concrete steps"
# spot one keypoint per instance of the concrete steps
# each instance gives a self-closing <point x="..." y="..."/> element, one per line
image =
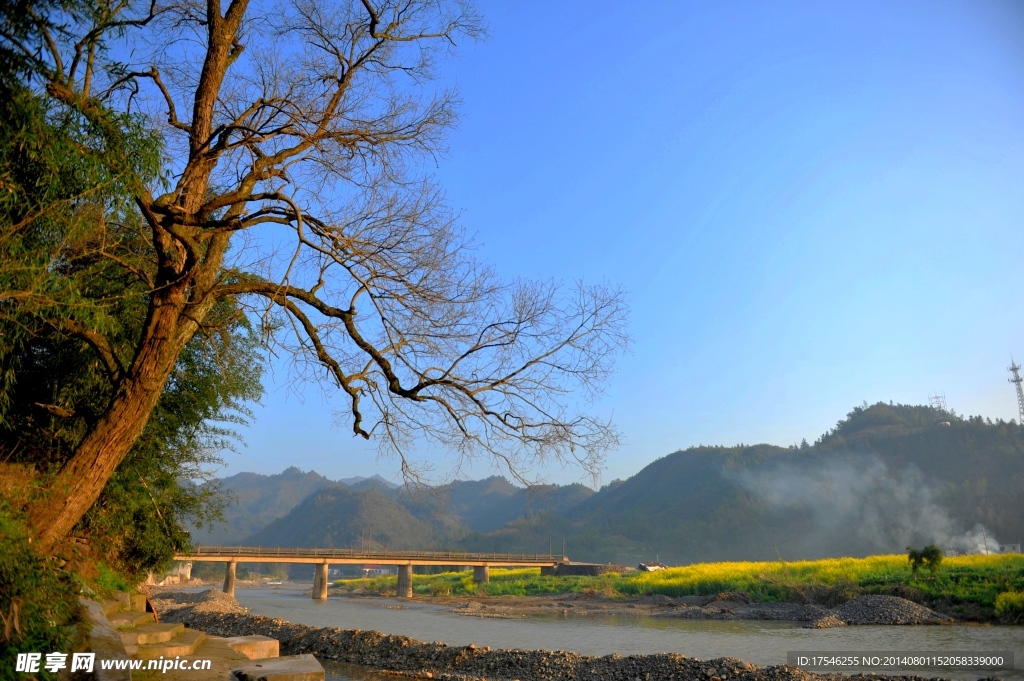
<point x="122" y="601"/>
<point x="184" y="643"/>
<point x="255" y="647"/>
<point x="130" y="620"/>
<point x="241" y="658"/>
<point x="149" y="634"/>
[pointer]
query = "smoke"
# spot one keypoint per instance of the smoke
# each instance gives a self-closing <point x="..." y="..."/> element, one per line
<point x="856" y="504"/>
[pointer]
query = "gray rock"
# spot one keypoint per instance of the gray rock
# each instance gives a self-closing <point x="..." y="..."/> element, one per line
<point x="291" y="668"/>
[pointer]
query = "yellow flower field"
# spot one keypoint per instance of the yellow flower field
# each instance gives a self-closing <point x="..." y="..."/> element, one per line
<point x="966" y="579"/>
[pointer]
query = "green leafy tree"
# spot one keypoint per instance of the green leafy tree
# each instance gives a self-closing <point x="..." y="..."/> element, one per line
<point x="55" y="386"/>
<point x="929" y="557"/>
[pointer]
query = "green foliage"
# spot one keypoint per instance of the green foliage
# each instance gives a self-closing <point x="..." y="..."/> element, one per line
<point x="107" y="580"/>
<point x="1010" y="604"/>
<point x="38" y="606"/>
<point x="930" y="556"/>
<point x="68" y="226"/>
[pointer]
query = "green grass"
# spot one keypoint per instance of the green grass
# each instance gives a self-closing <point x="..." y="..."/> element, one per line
<point x="977" y="580"/>
<point x="108" y="581"/>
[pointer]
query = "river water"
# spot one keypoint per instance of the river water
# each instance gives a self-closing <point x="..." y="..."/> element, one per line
<point x="758" y="642"/>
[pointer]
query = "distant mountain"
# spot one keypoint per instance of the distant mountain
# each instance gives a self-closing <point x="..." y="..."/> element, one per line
<point x="974" y="467"/>
<point x="886" y="477"/>
<point x="375" y="482"/>
<point x="254" y="500"/>
<point x="673" y="509"/>
<point x="485" y="505"/>
<point x="450" y="511"/>
<point x="339" y="517"/>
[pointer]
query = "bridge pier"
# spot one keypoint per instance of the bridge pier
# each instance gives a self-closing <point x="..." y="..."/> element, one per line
<point x="320" y="583"/>
<point x="229" y="578"/>
<point x="405" y="581"/>
<point x="481" y="574"/>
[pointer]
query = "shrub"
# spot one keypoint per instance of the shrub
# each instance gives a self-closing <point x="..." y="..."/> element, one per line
<point x="1010" y="604"/>
<point x="930" y="556"/>
<point x="38" y="604"/>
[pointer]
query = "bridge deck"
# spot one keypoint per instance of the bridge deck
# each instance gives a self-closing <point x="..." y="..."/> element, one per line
<point x="263" y="554"/>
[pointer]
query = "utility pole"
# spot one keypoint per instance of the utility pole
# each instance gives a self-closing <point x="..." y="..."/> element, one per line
<point x="938" y="402"/>
<point x="1014" y="369"/>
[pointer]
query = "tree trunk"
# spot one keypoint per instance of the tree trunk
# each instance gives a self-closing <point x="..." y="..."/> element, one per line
<point x="81" y="480"/>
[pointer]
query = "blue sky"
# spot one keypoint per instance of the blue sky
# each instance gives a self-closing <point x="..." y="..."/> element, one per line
<point x="811" y="205"/>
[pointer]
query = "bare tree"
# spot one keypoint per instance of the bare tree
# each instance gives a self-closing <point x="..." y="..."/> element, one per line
<point x="295" y="136"/>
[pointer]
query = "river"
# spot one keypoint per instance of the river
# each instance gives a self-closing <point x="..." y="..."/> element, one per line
<point x="758" y="642"/>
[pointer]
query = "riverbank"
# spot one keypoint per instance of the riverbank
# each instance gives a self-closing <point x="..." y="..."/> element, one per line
<point x="965" y="588"/>
<point x="871" y="609"/>
<point x="218" y="614"/>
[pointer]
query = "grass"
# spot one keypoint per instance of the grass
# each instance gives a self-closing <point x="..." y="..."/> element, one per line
<point x="975" y="580"/>
<point x="108" y="581"/>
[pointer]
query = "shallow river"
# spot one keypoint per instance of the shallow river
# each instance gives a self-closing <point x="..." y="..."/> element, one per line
<point x="759" y="642"/>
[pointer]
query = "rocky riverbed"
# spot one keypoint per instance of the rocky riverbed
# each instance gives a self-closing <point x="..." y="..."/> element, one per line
<point x="215" y="613"/>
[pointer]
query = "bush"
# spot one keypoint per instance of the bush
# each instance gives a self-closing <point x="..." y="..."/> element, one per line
<point x="1010" y="604"/>
<point x="930" y="556"/>
<point x="38" y="603"/>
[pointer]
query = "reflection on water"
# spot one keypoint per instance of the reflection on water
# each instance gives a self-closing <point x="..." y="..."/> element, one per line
<point x="759" y="642"/>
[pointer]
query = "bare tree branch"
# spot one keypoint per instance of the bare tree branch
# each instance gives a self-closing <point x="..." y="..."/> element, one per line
<point x="299" y="186"/>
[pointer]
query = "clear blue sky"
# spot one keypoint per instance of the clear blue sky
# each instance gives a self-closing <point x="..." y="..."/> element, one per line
<point x="811" y="204"/>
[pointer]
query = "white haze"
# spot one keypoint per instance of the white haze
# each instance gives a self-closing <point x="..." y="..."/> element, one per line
<point x="856" y="501"/>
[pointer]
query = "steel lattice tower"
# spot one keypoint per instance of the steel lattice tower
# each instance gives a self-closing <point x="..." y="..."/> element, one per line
<point x="1014" y="369"/>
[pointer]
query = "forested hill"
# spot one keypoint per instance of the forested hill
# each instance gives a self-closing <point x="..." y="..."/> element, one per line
<point x="978" y="463"/>
<point x="486" y="505"/>
<point x="340" y="517"/>
<point x="253" y="500"/>
<point x="885" y="477"/>
<point x="451" y="511"/>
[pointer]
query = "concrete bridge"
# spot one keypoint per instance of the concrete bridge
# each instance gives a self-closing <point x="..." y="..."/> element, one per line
<point x="322" y="558"/>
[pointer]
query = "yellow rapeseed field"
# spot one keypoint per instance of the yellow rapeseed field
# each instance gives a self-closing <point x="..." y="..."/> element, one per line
<point x="978" y="579"/>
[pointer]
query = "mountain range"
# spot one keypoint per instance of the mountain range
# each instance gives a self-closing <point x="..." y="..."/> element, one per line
<point x="886" y="477"/>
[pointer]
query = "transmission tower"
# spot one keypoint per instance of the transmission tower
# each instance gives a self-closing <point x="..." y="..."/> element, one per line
<point x="1014" y="369"/>
<point x="938" y="401"/>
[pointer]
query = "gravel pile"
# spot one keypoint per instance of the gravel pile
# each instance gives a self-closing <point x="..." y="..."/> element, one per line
<point x="208" y="601"/>
<point x="407" y="657"/>
<point x="887" y="610"/>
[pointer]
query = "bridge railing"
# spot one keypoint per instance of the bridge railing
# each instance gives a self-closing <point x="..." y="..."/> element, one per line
<point x="454" y="556"/>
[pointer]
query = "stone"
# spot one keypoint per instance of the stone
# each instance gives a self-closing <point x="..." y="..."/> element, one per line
<point x="255" y="647"/>
<point x="288" y="668"/>
<point x="104" y="641"/>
